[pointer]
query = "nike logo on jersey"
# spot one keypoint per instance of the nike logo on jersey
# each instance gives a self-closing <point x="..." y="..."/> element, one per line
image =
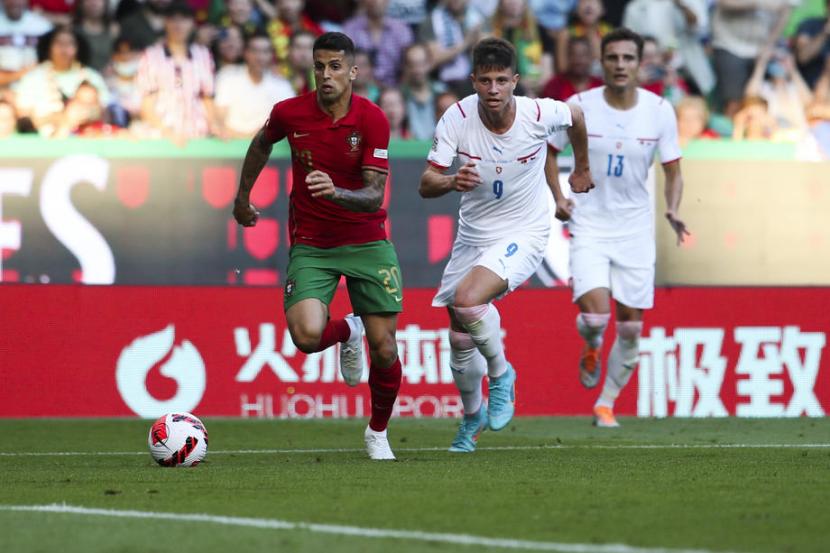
<point x="300" y="134"/>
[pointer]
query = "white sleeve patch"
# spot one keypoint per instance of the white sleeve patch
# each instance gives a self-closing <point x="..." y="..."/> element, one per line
<point x="556" y="115"/>
<point x="381" y="154"/>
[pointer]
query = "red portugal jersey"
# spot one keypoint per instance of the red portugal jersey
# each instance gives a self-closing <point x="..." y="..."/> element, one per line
<point x="341" y="150"/>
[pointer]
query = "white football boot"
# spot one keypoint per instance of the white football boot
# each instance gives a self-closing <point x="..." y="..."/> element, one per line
<point x="351" y="352"/>
<point x="377" y="446"/>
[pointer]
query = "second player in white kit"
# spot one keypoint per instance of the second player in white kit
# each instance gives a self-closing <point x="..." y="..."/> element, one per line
<point x="504" y="220"/>
<point x="612" y="251"/>
<point x="504" y="223"/>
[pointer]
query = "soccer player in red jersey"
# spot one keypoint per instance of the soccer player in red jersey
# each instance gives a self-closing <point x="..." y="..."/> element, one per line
<point x="336" y="225"/>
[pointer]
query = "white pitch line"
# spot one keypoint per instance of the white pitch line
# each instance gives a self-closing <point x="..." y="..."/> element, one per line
<point x="357" y="531"/>
<point x="423" y="449"/>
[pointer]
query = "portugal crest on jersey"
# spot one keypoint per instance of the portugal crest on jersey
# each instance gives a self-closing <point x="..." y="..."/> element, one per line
<point x="354" y="141"/>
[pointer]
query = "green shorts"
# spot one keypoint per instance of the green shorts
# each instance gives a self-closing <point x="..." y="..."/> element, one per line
<point x="373" y="276"/>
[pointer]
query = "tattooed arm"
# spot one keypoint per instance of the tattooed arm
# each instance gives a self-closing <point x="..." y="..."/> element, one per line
<point x="258" y="153"/>
<point x="367" y="199"/>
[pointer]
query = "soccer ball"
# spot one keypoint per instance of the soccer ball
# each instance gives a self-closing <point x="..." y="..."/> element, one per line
<point x="178" y="440"/>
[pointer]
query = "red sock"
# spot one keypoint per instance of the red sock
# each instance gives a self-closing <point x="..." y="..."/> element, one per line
<point x="335" y="331"/>
<point x="384" y="384"/>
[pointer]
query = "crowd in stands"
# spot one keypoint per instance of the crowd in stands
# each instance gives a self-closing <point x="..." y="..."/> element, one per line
<point x="183" y="69"/>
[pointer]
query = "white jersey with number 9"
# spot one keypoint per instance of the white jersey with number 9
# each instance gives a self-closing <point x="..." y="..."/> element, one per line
<point x="513" y="195"/>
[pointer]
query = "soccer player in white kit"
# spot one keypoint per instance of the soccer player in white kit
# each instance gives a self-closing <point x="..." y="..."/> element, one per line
<point x="612" y="248"/>
<point x="504" y="220"/>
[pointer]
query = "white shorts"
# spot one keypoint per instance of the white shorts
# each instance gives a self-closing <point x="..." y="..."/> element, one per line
<point x="626" y="267"/>
<point x="513" y="259"/>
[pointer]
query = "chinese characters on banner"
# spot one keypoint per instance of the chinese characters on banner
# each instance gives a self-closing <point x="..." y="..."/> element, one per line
<point x="225" y="351"/>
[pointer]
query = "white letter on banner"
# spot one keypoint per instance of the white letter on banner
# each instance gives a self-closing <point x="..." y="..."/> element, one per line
<point x="656" y="350"/>
<point x="18" y="182"/>
<point x="760" y="386"/>
<point x="265" y="354"/>
<point x="670" y="371"/>
<point x="704" y="377"/>
<point x="802" y="374"/>
<point x="67" y="224"/>
<point x="444" y="356"/>
<point x="418" y="355"/>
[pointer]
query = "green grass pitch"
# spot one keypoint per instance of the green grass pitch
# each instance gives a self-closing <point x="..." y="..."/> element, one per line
<point x="653" y="485"/>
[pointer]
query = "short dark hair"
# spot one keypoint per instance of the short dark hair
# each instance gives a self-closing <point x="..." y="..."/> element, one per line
<point x="573" y="40"/>
<point x="299" y="34"/>
<point x="369" y="55"/>
<point x="335" y="42"/>
<point x="649" y="38"/>
<point x="423" y="46"/>
<point x="44" y="44"/>
<point x="129" y="39"/>
<point x="622" y="34"/>
<point x="494" y="53"/>
<point x="180" y="7"/>
<point x="257" y="34"/>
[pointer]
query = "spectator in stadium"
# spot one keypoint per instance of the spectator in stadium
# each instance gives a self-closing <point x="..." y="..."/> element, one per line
<point x="176" y="81"/>
<point x="419" y="91"/>
<point x="144" y="26"/>
<point x="587" y="22"/>
<point x="8" y="119"/>
<point x="578" y="77"/>
<point x="740" y="30"/>
<point x="392" y="103"/>
<point x="614" y="10"/>
<point x="228" y="46"/>
<point x="20" y="29"/>
<point x="553" y="16"/>
<point x="245" y="94"/>
<point x="120" y="78"/>
<point x="338" y="227"/>
<point x="44" y="91"/>
<point x="487" y="8"/>
<point x="679" y="27"/>
<point x="82" y="115"/>
<point x="514" y="22"/>
<point x="58" y="12"/>
<point x="247" y="16"/>
<point x="753" y="121"/>
<point x="93" y="20"/>
<point x="450" y="31"/>
<point x="299" y="65"/>
<point x="443" y="102"/>
<point x="777" y="80"/>
<point x="819" y="111"/>
<point x="364" y="83"/>
<point x="330" y="14"/>
<point x="812" y="46"/>
<point x="411" y="12"/>
<point x="383" y="37"/>
<point x="658" y="75"/>
<point x="693" y="120"/>
<point x="290" y="19"/>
